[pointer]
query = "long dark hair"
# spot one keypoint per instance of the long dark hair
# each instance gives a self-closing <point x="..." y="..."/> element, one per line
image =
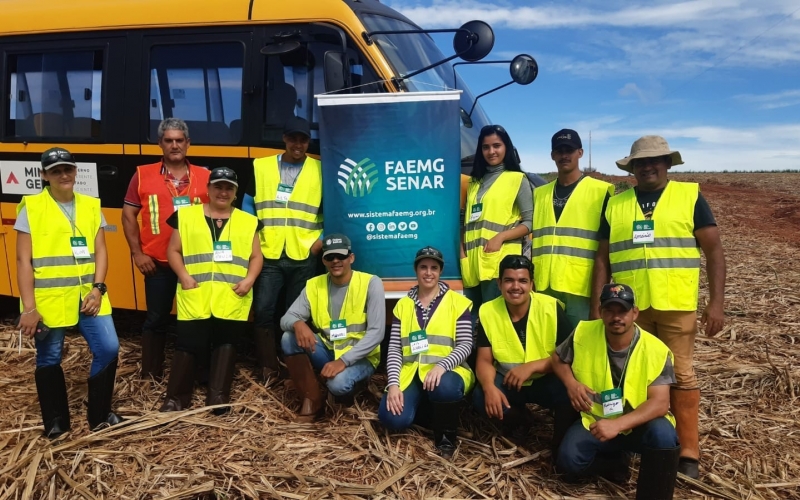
<point x="510" y="162"/>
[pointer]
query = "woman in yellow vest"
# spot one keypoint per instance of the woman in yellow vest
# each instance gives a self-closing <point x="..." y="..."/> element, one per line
<point x="498" y="214"/>
<point x="217" y="256"/>
<point x="430" y="341"/>
<point x="61" y="265"/>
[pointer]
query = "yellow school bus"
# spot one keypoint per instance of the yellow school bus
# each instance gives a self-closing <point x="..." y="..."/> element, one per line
<point x="97" y="77"/>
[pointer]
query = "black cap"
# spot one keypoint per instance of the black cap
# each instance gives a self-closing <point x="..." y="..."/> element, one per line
<point x="297" y="125"/>
<point x="566" y="137"/>
<point x="336" y="244"/>
<point x="619" y="293"/>
<point x="57" y="156"/>
<point x="429" y="253"/>
<point x="223" y="174"/>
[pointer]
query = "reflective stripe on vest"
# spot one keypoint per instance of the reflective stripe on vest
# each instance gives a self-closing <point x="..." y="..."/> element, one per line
<point x="500" y="213"/>
<point x="60" y="281"/>
<point x="540" y="334"/>
<point x="591" y="367"/>
<point x="354" y="312"/>
<point x="664" y="274"/>
<point x="214" y="294"/>
<point x="563" y="251"/>
<point x="157" y="205"/>
<point x="441" y="331"/>
<point x="292" y="226"/>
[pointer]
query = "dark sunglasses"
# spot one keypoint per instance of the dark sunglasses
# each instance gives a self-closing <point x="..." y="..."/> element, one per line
<point x="641" y="162"/>
<point x="519" y="260"/>
<point x="492" y="128"/>
<point x="224" y="173"/>
<point x="336" y="256"/>
<point x="624" y="295"/>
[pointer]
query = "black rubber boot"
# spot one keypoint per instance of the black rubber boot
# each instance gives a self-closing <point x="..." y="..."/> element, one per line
<point x="153" y="354"/>
<point x="564" y="416"/>
<point x="657" y="474"/>
<point x="101" y="391"/>
<point x="445" y="426"/>
<point x="52" y="390"/>
<point x="266" y="354"/>
<point x="223" y="361"/>
<point x="181" y="382"/>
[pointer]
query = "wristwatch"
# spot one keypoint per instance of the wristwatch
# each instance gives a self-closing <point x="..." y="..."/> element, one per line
<point x="102" y="287"/>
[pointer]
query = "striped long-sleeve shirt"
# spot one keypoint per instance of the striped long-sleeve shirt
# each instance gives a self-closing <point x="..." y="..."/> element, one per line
<point x="464" y="342"/>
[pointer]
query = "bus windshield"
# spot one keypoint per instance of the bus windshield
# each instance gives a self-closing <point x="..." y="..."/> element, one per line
<point x="407" y="53"/>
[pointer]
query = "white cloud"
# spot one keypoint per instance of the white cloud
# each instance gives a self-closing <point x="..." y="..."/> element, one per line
<point x="775" y="100"/>
<point x="660" y="37"/>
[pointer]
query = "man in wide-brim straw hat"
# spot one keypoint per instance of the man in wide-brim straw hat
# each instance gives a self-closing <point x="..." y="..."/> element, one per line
<point x="649" y="240"/>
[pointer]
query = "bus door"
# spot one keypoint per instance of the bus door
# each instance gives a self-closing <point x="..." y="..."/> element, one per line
<point x="201" y="76"/>
<point x="61" y="93"/>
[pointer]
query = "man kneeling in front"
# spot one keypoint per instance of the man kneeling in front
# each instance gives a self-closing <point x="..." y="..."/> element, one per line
<point x="618" y="376"/>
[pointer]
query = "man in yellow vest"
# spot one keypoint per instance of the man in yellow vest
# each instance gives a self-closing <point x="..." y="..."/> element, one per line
<point x="650" y="240"/>
<point x="618" y="376"/>
<point x="337" y="325"/>
<point x="286" y="196"/>
<point x="566" y="217"/>
<point x="516" y="333"/>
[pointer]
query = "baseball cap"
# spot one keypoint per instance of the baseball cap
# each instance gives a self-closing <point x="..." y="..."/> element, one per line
<point x="336" y="244"/>
<point x="223" y="174"/>
<point x="57" y="156"/>
<point x="619" y="293"/>
<point x="297" y="125"/>
<point x="566" y="137"/>
<point x="429" y="253"/>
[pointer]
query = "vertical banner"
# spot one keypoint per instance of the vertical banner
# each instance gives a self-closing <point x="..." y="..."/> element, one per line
<point x="391" y="173"/>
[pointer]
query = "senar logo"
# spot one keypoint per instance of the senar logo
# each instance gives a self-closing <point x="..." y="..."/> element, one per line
<point x="358" y="179"/>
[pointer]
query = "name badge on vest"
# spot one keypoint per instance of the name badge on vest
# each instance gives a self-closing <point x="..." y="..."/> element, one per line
<point x="338" y="330"/>
<point x="223" y="251"/>
<point x="80" y="250"/>
<point x="283" y="194"/>
<point x="180" y="202"/>
<point x="475" y="212"/>
<point x="612" y="402"/>
<point x="643" y="232"/>
<point x="419" y="341"/>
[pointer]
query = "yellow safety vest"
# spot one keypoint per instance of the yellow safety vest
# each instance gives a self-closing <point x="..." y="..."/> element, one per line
<point x="500" y="213"/>
<point x="441" y="331"/>
<point x="540" y="336"/>
<point x="592" y="368"/>
<point x="563" y="252"/>
<point x="214" y="294"/>
<point x="664" y="274"/>
<point x="60" y="281"/>
<point x="293" y="226"/>
<point x="354" y="312"/>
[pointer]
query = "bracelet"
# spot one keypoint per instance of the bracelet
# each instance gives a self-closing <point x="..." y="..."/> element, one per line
<point x="26" y="313"/>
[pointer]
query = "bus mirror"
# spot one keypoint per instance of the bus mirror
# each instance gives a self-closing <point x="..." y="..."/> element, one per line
<point x="334" y="71"/>
<point x="524" y="69"/>
<point x="465" y="118"/>
<point x="278" y="48"/>
<point x="473" y="41"/>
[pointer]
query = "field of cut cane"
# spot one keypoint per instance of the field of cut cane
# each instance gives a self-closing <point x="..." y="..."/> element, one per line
<point x="749" y="418"/>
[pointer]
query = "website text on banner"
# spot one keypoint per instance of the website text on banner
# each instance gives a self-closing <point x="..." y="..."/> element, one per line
<point x="391" y="173"/>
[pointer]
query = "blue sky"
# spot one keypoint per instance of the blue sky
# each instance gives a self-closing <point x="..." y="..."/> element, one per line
<point x="719" y="79"/>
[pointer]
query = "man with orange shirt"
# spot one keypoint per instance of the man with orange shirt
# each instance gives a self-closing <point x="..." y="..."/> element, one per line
<point x="156" y="191"/>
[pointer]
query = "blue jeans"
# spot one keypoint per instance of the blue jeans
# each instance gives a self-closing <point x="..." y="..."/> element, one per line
<point x="484" y="292"/>
<point x="159" y="292"/>
<point x="343" y="383"/>
<point x="99" y="333"/>
<point x="547" y="392"/>
<point x="579" y="447"/>
<point x="450" y="389"/>
<point x="277" y="274"/>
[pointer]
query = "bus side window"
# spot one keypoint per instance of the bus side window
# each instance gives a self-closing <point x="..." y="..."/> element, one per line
<point x="294" y="78"/>
<point x="55" y="95"/>
<point x="201" y="84"/>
